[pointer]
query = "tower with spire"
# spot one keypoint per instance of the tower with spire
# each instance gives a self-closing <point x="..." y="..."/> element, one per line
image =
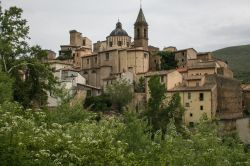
<point x="141" y="31"/>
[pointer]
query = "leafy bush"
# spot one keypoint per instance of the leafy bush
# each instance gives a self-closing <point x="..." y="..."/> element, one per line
<point x="6" y="90"/>
<point x="35" y="137"/>
<point x="120" y="93"/>
<point x="100" y="103"/>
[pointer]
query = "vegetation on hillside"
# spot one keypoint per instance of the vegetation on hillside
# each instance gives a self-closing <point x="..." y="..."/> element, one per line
<point x="238" y="58"/>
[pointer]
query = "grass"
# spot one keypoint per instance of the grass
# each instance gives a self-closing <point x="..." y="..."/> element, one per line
<point x="238" y="58"/>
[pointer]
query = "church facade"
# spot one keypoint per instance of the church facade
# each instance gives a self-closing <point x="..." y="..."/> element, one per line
<point x="117" y="56"/>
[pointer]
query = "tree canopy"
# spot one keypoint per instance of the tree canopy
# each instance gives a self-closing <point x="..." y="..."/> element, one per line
<point x="32" y="79"/>
<point x="168" y="61"/>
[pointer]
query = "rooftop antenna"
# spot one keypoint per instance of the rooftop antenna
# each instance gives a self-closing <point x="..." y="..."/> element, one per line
<point x="140" y="3"/>
<point x="118" y="19"/>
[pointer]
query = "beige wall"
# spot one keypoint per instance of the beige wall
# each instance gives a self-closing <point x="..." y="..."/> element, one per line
<point x="183" y="56"/>
<point x="204" y="56"/>
<point x="173" y="79"/>
<point x="193" y="112"/>
<point x="170" y="80"/>
<point x="115" y="61"/>
<point x="125" y="42"/>
<point x="201" y="71"/>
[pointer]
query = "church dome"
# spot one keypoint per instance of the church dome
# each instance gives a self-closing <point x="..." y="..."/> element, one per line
<point x="118" y="30"/>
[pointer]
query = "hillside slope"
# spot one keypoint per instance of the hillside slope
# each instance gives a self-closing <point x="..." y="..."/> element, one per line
<point x="238" y="58"/>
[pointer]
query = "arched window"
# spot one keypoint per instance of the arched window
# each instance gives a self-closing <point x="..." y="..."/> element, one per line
<point x="145" y="32"/>
<point x="138" y="33"/>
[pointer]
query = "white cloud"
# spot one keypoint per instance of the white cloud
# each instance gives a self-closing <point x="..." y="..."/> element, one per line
<point x="204" y="25"/>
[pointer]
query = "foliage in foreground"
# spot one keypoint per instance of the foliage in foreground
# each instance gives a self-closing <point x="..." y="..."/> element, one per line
<point x="71" y="136"/>
<point x="117" y="95"/>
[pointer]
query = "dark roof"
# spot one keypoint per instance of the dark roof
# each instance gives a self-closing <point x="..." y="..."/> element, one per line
<point x="141" y="18"/>
<point x="118" y="30"/>
<point x="206" y="87"/>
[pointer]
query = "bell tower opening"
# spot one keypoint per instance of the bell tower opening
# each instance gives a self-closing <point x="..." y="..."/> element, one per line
<point x="141" y="31"/>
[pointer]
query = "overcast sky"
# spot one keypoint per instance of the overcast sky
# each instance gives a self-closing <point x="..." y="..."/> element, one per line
<point x="205" y="25"/>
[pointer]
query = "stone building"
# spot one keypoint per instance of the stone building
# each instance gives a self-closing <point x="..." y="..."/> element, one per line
<point x="197" y="101"/>
<point x="79" y="46"/>
<point x="171" y="79"/>
<point x="205" y="84"/>
<point x="246" y="96"/>
<point x="183" y="56"/>
<point x="117" y="56"/>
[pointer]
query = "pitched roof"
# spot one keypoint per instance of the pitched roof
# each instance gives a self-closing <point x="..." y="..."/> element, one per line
<point x="141" y="18"/>
<point x="206" y="87"/>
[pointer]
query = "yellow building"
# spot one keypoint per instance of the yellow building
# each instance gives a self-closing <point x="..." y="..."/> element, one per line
<point x="197" y="101"/>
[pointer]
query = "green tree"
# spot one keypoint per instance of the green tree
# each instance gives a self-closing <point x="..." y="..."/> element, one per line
<point x="167" y="60"/>
<point x="120" y="93"/>
<point x="100" y="103"/>
<point x="32" y="78"/>
<point x="6" y="89"/>
<point x="159" y="110"/>
<point x="140" y="87"/>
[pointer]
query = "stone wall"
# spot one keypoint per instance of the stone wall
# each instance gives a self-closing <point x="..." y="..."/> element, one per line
<point x="229" y="97"/>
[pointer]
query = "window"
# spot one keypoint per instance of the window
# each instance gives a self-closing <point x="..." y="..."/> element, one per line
<point x="182" y="60"/>
<point x="145" y="55"/>
<point x="85" y="72"/>
<point x="110" y="44"/>
<point x="197" y="83"/>
<point x="93" y="71"/>
<point x="84" y="42"/>
<point x="119" y="43"/>
<point x="107" y="56"/>
<point x="87" y="61"/>
<point x="187" y="105"/>
<point x="138" y="33"/>
<point x="201" y="107"/>
<point x="145" y="33"/>
<point x="201" y="97"/>
<point x="191" y="115"/>
<point x="189" y="95"/>
<point x="95" y="59"/>
<point x="127" y="44"/>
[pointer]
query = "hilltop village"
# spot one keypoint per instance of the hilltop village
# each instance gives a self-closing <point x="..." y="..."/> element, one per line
<point x="204" y="83"/>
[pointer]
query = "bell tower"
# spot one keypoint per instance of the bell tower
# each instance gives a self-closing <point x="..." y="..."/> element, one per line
<point x="141" y="31"/>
